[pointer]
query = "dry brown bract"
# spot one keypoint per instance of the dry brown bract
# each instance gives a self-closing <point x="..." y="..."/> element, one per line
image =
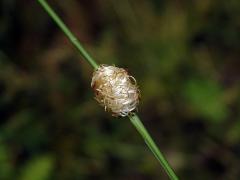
<point x="115" y="90"/>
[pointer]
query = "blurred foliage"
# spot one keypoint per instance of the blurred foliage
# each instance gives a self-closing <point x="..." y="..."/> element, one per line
<point x="185" y="56"/>
<point x="206" y="97"/>
<point x="37" y="169"/>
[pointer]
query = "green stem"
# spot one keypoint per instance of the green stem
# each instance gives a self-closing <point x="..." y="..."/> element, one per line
<point x="134" y="118"/>
<point x="152" y="146"/>
<point x="68" y="33"/>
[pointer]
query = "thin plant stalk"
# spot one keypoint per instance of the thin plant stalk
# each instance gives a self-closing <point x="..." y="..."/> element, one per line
<point x="152" y="146"/>
<point x="68" y="33"/>
<point x="133" y="117"/>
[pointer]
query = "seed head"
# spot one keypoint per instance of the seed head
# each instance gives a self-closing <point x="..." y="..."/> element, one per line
<point x="115" y="90"/>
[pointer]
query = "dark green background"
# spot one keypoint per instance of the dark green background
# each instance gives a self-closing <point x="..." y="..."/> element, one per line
<point x="185" y="56"/>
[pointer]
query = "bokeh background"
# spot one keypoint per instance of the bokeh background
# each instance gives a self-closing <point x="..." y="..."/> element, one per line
<point x="185" y="55"/>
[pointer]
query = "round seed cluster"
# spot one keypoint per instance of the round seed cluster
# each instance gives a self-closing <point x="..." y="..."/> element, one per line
<point x="115" y="90"/>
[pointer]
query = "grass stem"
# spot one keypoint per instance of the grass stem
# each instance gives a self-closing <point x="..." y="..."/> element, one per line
<point x="134" y="118"/>
<point x="68" y="33"/>
<point x="152" y="146"/>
